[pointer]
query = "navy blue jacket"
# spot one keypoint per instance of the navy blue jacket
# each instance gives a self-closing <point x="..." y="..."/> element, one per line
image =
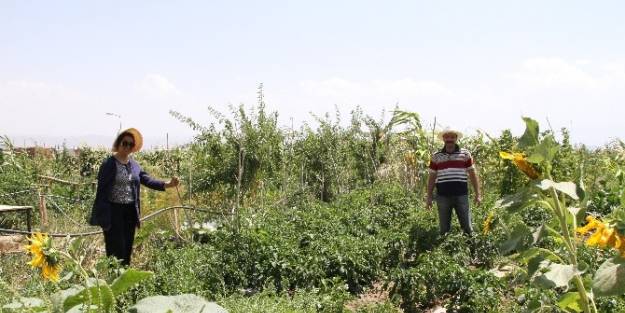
<point x="101" y="211"/>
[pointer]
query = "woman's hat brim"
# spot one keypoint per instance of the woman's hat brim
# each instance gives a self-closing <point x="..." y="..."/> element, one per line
<point x="135" y="134"/>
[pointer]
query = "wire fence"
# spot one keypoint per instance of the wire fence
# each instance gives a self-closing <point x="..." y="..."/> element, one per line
<point x="145" y="218"/>
<point x="50" y="198"/>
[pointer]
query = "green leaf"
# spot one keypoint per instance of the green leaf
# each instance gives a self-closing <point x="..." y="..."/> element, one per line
<point x="518" y="201"/>
<point x="58" y="298"/>
<point x="128" y="279"/>
<point x="534" y="258"/>
<point x="520" y="239"/>
<point x="609" y="279"/>
<point x="545" y="151"/>
<point x="556" y="275"/>
<point x="535" y="264"/>
<point x="534" y="304"/>
<point x="574" y="211"/>
<point x="618" y="219"/>
<point x="539" y="233"/>
<point x="84" y="309"/>
<point x="581" y="188"/>
<point x="530" y="136"/>
<point x="185" y="303"/>
<point x="579" y="213"/>
<point x="100" y="294"/>
<point x="75" y="245"/>
<point x="24" y="303"/>
<point x="567" y="188"/>
<point x="571" y="301"/>
<point x="533" y="252"/>
<point x="535" y="158"/>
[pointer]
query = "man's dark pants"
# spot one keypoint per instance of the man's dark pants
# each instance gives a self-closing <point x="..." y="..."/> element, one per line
<point x="460" y="204"/>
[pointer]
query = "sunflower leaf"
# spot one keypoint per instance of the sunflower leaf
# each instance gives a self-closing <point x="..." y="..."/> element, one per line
<point x="530" y="136"/>
<point x="571" y="301"/>
<point x="608" y="280"/>
<point x="520" y="239"/>
<point x="567" y="188"/>
<point x="556" y="275"/>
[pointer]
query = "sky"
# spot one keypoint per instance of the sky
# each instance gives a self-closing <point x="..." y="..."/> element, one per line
<point x="471" y="65"/>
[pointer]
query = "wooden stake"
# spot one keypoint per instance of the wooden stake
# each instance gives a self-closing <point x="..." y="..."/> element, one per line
<point x="43" y="212"/>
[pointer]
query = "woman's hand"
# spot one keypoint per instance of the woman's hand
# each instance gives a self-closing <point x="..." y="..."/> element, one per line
<point x="173" y="182"/>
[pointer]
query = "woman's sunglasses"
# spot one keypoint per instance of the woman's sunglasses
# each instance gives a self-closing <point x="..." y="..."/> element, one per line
<point x="128" y="144"/>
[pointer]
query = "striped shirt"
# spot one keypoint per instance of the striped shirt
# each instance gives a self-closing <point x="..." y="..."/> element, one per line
<point x="451" y="171"/>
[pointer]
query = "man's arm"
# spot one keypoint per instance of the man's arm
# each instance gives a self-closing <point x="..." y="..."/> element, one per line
<point x="475" y="181"/>
<point x="430" y="191"/>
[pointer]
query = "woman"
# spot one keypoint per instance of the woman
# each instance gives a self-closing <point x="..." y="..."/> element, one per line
<point x="117" y="204"/>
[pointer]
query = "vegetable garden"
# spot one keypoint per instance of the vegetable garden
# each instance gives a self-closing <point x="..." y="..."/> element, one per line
<point x="326" y="218"/>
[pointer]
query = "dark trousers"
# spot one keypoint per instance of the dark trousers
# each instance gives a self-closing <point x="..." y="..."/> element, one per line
<point x="460" y="204"/>
<point x="119" y="238"/>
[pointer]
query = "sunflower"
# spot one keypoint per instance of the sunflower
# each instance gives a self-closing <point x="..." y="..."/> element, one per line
<point x="521" y="162"/>
<point x="38" y="260"/>
<point x="51" y="272"/>
<point x="44" y="256"/>
<point x="38" y="242"/>
<point x="488" y="222"/>
<point x="604" y="235"/>
<point x="591" y="223"/>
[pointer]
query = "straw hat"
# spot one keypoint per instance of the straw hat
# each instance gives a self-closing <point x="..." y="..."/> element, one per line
<point x="449" y="130"/>
<point x="135" y="134"/>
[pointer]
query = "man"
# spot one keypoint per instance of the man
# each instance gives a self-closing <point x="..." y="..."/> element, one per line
<point x="449" y="169"/>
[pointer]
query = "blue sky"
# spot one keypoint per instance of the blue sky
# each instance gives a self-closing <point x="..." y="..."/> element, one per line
<point x="471" y="64"/>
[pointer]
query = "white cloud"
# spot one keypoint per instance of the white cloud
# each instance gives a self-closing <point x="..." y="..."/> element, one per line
<point x="156" y="85"/>
<point x="409" y="88"/>
<point x="349" y="92"/>
<point x="43" y="107"/>
<point x="575" y="93"/>
<point x="333" y="87"/>
<point x="557" y="73"/>
<point x="37" y="97"/>
<point x="614" y="74"/>
<point x="33" y="90"/>
<point x="554" y="73"/>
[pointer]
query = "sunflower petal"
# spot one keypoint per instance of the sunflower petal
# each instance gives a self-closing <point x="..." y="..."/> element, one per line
<point x="506" y="155"/>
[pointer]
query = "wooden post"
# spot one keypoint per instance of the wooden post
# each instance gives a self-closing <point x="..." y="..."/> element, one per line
<point x="28" y="220"/>
<point x="42" y="209"/>
<point x="176" y="210"/>
<point x="176" y="223"/>
<point x="235" y="209"/>
<point x="190" y="184"/>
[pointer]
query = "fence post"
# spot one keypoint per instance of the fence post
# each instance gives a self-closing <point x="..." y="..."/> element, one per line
<point x="43" y="212"/>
